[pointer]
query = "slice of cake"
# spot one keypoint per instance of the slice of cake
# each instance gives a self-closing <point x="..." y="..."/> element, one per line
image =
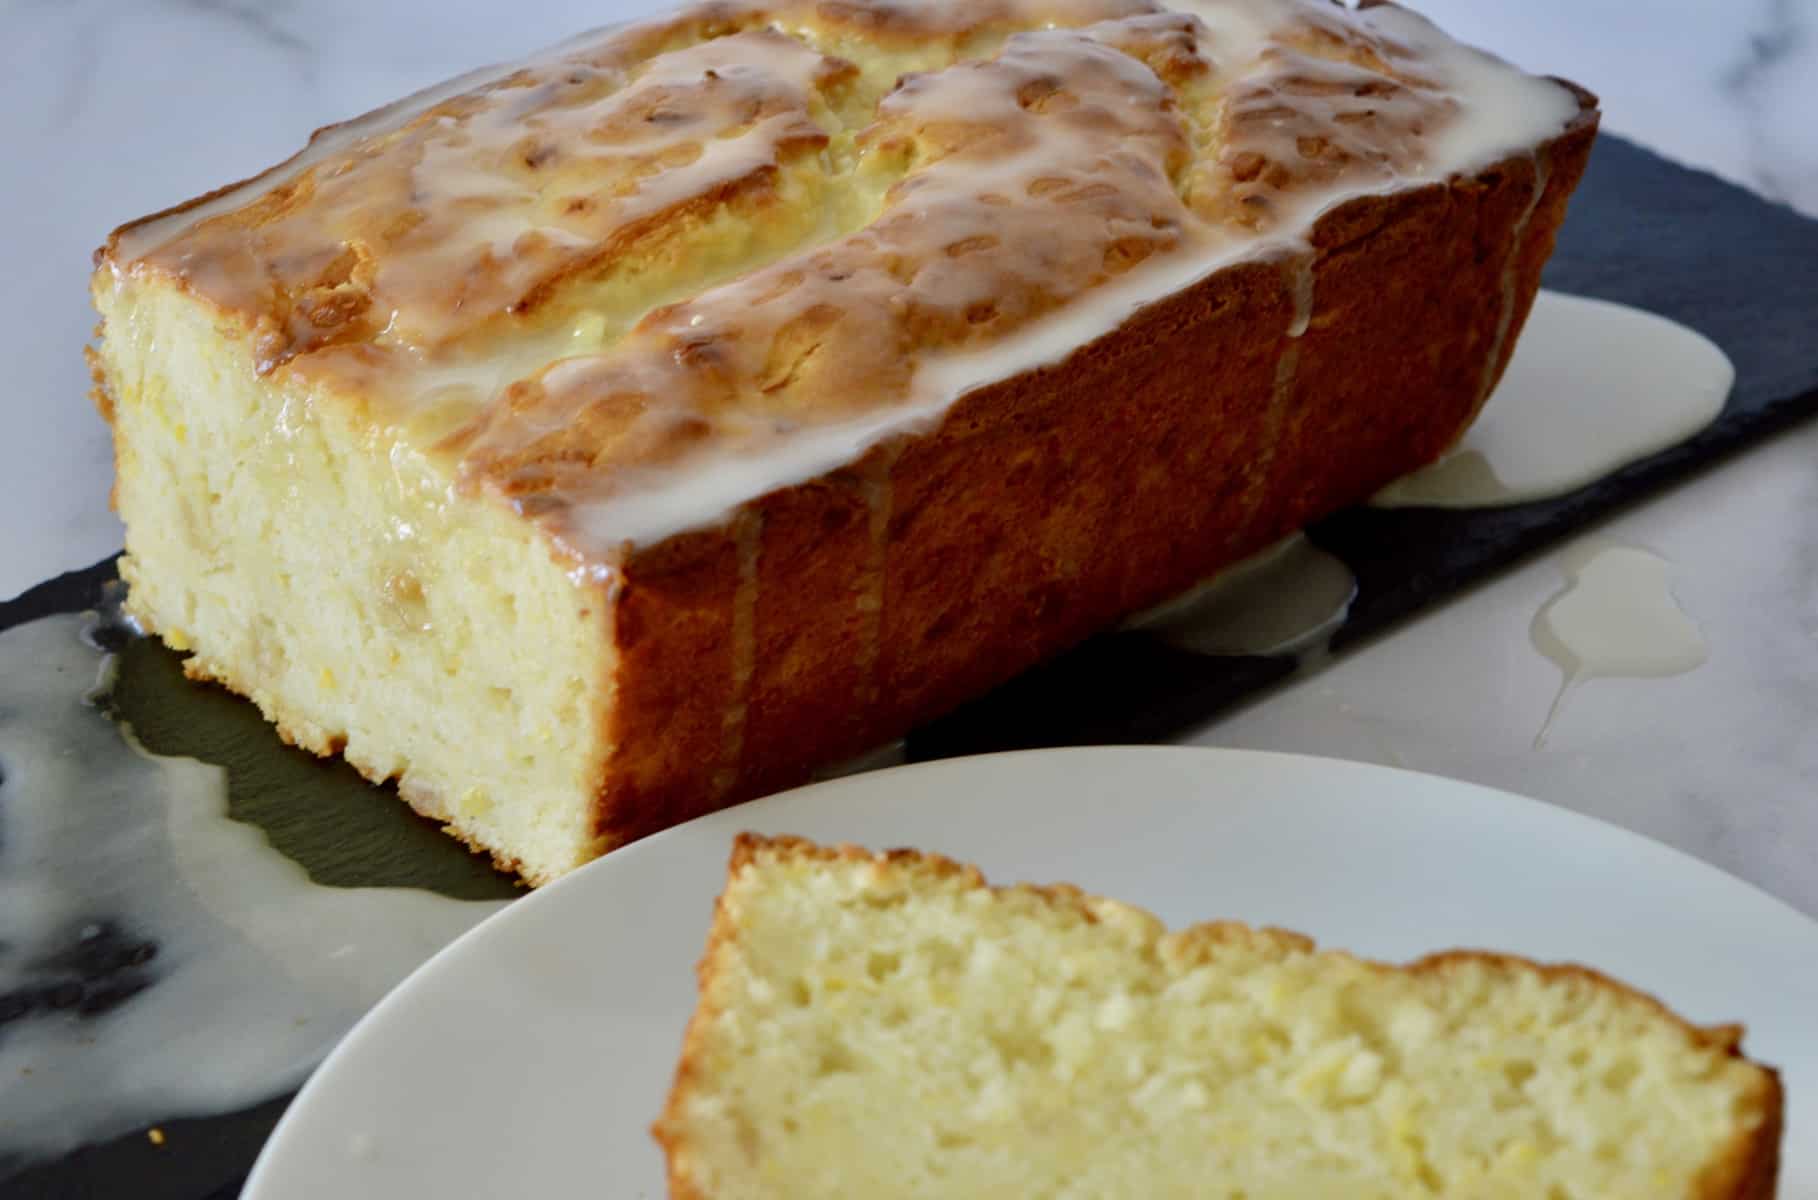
<point x="622" y="433"/>
<point x="889" y="1026"/>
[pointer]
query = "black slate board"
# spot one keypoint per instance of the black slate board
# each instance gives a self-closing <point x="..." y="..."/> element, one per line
<point x="1641" y="231"/>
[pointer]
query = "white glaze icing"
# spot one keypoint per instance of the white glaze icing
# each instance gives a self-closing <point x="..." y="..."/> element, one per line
<point x="1286" y="600"/>
<point x="1592" y="387"/>
<point x="1502" y="111"/>
<point x="1615" y="618"/>
<point x="1494" y="111"/>
<point x="257" y="971"/>
<point x="1505" y="320"/>
<point x="145" y="236"/>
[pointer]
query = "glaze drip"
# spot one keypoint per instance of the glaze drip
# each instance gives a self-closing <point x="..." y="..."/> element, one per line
<point x="1300" y="275"/>
<point x="1299" y="272"/>
<point x="748" y="540"/>
<point x="879" y="496"/>
<point x="1511" y="278"/>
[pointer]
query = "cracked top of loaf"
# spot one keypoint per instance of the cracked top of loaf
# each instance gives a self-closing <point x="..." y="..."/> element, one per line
<point x="668" y="267"/>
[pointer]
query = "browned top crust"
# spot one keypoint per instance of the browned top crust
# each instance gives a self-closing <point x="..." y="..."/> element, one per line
<point x="705" y="234"/>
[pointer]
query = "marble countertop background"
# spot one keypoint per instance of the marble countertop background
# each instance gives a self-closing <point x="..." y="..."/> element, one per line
<point x="116" y="109"/>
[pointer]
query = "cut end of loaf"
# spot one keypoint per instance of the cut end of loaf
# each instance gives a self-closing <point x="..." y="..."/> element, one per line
<point x="888" y="1025"/>
<point x="344" y="587"/>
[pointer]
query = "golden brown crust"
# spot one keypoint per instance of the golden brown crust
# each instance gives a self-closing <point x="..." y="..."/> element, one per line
<point x="1047" y="506"/>
<point x="97" y="376"/>
<point x="1328" y="103"/>
<point x="1748" y="1170"/>
<point x="102" y="397"/>
<point x="1752" y="1169"/>
<point x="1038" y="174"/>
<point x="421" y="224"/>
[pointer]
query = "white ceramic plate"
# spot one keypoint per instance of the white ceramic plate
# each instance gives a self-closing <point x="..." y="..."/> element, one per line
<point x="530" y="1057"/>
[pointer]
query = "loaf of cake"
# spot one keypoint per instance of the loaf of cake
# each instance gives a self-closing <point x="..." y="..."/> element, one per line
<point x="889" y="1026"/>
<point x="598" y="440"/>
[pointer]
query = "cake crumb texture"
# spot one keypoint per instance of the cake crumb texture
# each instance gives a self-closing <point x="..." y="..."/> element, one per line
<point x="887" y="1025"/>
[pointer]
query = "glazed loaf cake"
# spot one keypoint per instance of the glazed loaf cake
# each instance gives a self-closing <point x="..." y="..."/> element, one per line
<point x="888" y="1026"/>
<point x="595" y="441"/>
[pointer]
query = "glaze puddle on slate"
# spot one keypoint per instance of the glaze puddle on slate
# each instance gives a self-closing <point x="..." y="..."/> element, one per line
<point x="1287" y="600"/>
<point x="1592" y="387"/>
<point x="1616" y="618"/>
<point x="157" y="958"/>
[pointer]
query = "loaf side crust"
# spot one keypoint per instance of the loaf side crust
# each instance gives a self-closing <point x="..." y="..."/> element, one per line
<point x="1048" y="505"/>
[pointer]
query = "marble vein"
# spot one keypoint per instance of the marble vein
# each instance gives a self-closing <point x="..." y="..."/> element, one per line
<point x="257" y="21"/>
<point x="1778" y="50"/>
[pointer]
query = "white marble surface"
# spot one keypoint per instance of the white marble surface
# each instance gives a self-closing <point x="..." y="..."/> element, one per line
<point x="114" y="109"/>
<point x="1719" y="761"/>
